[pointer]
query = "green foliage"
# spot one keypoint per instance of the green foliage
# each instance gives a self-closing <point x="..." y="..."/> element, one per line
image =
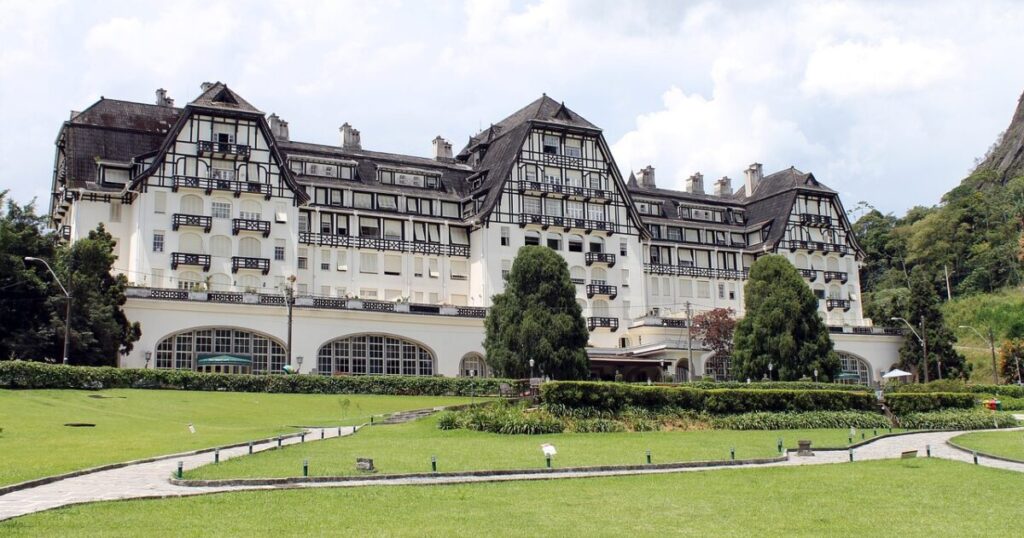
<point x="771" y="385"/>
<point x="804" y="420"/>
<point x="956" y="385"/>
<point x="958" y="419"/>
<point x="618" y="396"/>
<point x="919" y="402"/>
<point x="501" y="418"/>
<point x="26" y="327"/>
<point x="781" y="326"/>
<point x="33" y="375"/>
<point x="598" y="425"/>
<point x="923" y="312"/>
<point x="537" y="318"/>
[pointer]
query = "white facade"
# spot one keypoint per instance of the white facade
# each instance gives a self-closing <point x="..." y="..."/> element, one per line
<point x="395" y="258"/>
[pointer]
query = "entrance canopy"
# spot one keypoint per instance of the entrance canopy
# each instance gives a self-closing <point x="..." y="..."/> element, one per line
<point x="225" y="360"/>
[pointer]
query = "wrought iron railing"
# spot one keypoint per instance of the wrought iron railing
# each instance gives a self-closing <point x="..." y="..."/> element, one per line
<point x="250" y="225"/>
<point x="199" y="221"/>
<point x="600" y="257"/>
<point x="187" y="258"/>
<point x="223" y="148"/>
<point x="244" y="262"/>
<point x="696" y="272"/>
<point x="396" y="245"/>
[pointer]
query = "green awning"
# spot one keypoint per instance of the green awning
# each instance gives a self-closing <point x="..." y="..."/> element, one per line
<point x="225" y="360"/>
<point x="848" y="375"/>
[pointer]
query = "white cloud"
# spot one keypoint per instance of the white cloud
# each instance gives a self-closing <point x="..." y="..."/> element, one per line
<point x="852" y="68"/>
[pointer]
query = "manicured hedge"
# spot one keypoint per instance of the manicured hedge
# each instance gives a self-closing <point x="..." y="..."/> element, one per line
<point x="801" y="421"/>
<point x="774" y="385"/>
<point x="616" y="396"/>
<point x="37" y="375"/>
<point x="953" y="385"/>
<point x="958" y="419"/>
<point x="913" y="402"/>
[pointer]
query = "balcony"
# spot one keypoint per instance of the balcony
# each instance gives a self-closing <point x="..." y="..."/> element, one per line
<point x="250" y="225"/>
<point x="815" y="221"/>
<point x="837" y="303"/>
<point x="600" y="322"/>
<point x="600" y="257"/>
<point x="208" y="185"/>
<point x="187" y="258"/>
<point x="567" y="223"/>
<point x="565" y="160"/>
<point x="223" y="149"/>
<point x="65" y="232"/>
<point x="256" y="264"/>
<point x="375" y="243"/>
<point x="197" y="221"/>
<point x="809" y="274"/>
<point x="835" y="275"/>
<point x="814" y="246"/>
<point x="576" y="281"/>
<point x="602" y="289"/>
<point x="544" y="188"/>
<point x="696" y="272"/>
<point x="874" y="331"/>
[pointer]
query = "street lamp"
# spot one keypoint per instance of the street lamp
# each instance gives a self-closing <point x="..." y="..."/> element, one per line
<point x="992" y="346"/>
<point x="770" y="366"/>
<point x="815" y="375"/>
<point x="289" y="300"/>
<point x="531" y="368"/>
<point x="920" y="338"/>
<point x="67" y="314"/>
<point x="299" y="360"/>
<point x="149" y="357"/>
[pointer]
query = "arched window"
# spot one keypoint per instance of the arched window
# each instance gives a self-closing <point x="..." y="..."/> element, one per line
<point x="596" y="245"/>
<point x="718" y="368"/>
<point x="555" y="241"/>
<point x="473" y="365"/>
<point x="190" y="243"/>
<point x="249" y="283"/>
<point x="578" y="274"/>
<point x="600" y="308"/>
<point x="832" y="263"/>
<point x="532" y="238"/>
<point x="220" y="245"/>
<point x="192" y="205"/>
<point x="598" y="275"/>
<point x="854" y="369"/>
<point x="220" y="282"/>
<point x="251" y="352"/>
<point x="249" y="247"/>
<point x="583" y="306"/>
<point x="374" y="354"/>
<point x="188" y="280"/>
<point x="251" y="210"/>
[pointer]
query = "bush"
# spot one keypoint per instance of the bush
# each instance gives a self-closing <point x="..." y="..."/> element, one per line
<point x="958" y="419"/>
<point x="37" y="375"/>
<point x="799" y="421"/>
<point x="955" y="385"/>
<point x="773" y="385"/>
<point x="913" y="402"/>
<point x="615" y="397"/>
<point x="502" y="418"/>
<point x="598" y="425"/>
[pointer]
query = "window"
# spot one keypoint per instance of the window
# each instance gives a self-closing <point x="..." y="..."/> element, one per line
<point x="325" y="261"/>
<point x="380" y="354"/>
<point x="532" y="238"/>
<point x="223" y="174"/>
<point x="368" y="262"/>
<point x="182" y="350"/>
<point x="417" y="267"/>
<point x="574" y="210"/>
<point x="158" y="241"/>
<point x="674" y="233"/>
<point x="622" y="247"/>
<point x="459" y="236"/>
<point x="575" y="243"/>
<point x="393" y="229"/>
<point x="220" y="245"/>
<point x="551" y="144"/>
<point x="531" y="205"/>
<point x="303" y="222"/>
<point x="249" y="247"/>
<point x="220" y="210"/>
<point x="160" y="202"/>
<point x="506" y="269"/>
<point x="342" y="261"/>
<point x="115" y="211"/>
<point x="553" y="207"/>
<point x="572" y="148"/>
<point x="505" y="239"/>
<point x="303" y="262"/>
<point x="387" y="202"/>
<point x="449" y="209"/>
<point x="595" y="212"/>
<point x="369" y="227"/>
<point x="279" y="250"/>
<point x="721" y="291"/>
<point x="362" y="200"/>
<point x="460" y="270"/>
<point x="392" y="265"/>
<point x="555" y="241"/>
<point x="434" y="271"/>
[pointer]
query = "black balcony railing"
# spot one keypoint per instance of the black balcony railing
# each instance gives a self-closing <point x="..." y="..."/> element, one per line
<point x="674" y="323"/>
<point x="210" y="184"/>
<point x="697" y="272"/>
<point x="224" y="297"/>
<point x="809" y="274"/>
<point x="835" y="275"/>
<point x="65" y="232"/>
<point x="572" y="191"/>
<point x="187" y="258"/>
<point x="397" y="245"/>
<point x="602" y="289"/>
<point x="595" y="322"/>
<point x="832" y="304"/>
<point x="198" y="221"/>
<point x="814" y="246"/>
<point x="600" y="257"/>
<point x="815" y="220"/>
<point x="257" y="264"/>
<point x="250" y="225"/>
<point x="577" y="281"/>
<point x="207" y="147"/>
<point x="568" y="223"/>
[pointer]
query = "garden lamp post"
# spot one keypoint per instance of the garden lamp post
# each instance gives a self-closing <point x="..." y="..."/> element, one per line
<point x="992" y="346"/>
<point x="67" y="313"/>
<point x="531" y="367"/>
<point x="770" y="366"/>
<point x="299" y="360"/>
<point x="920" y="338"/>
<point x="815" y="375"/>
<point x="149" y="357"/>
<point x="289" y="301"/>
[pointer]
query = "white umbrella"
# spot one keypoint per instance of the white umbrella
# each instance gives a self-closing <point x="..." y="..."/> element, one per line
<point x="896" y="373"/>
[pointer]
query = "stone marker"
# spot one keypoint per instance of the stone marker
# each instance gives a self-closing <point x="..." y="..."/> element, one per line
<point x="364" y="464"/>
<point x="804" y="448"/>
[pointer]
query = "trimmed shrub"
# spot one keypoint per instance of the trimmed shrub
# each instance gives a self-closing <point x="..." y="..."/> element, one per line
<point x="799" y="421"/>
<point x="501" y="418"/>
<point x="597" y="425"/>
<point x="773" y="385"/>
<point x="913" y="402"/>
<point x="37" y="375"/>
<point x="730" y="401"/>
<point x="958" y="419"/>
<point x="955" y="385"/>
<point x="616" y="396"/>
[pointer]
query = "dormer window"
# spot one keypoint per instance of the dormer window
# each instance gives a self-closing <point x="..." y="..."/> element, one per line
<point x="114" y="174"/>
<point x="224" y="138"/>
<point x="551" y="145"/>
<point x="572" y="148"/>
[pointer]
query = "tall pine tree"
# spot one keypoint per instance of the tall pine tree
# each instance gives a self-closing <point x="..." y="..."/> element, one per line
<point x="923" y="307"/>
<point x="537" y="318"/>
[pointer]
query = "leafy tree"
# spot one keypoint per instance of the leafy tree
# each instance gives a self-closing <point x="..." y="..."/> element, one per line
<point x="715" y="328"/>
<point x="924" y="314"/>
<point x="25" y="330"/>
<point x="537" y="318"/>
<point x="1011" y="353"/>
<point x="781" y="326"/>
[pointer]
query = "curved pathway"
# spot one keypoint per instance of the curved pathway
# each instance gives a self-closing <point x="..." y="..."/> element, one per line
<point x="151" y="479"/>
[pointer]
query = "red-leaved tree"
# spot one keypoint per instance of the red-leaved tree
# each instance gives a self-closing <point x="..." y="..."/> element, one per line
<point x="715" y="328"/>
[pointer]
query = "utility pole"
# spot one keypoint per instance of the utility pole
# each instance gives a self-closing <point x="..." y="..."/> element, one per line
<point x="67" y="310"/>
<point x="289" y="301"/>
<point x="924" y="349"/>
<point x="689" y="343"/>
<point x="949" y="292"/>
<point x="992" y="347"/>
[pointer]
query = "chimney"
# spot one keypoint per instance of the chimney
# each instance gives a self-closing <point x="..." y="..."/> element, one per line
<point x="754" y="175"/>
<point x="350" y="137"/>
<point x="205" y="86"/>
<point x="723" y="187"/>
<point x="278" y="127"/>
<point x="442" y="149"/>
<point x="647" y="177"/>
<point x="695" y="184"/>
<point x="162" y="99"/>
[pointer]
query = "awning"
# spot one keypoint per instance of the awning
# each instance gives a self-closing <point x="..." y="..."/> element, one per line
<point x="848" y="376"/>
<point x="225" y="360"/>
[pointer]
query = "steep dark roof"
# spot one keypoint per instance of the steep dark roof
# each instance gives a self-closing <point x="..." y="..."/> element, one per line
<point x="785" y="180"/>
<point x="219" y="96"/>
<point x="112" y="130"/>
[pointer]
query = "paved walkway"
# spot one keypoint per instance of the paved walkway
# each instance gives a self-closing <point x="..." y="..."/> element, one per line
<point x="151" y="479"/>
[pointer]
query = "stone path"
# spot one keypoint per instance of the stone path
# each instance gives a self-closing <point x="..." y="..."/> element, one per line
<point x="148" y="480"/>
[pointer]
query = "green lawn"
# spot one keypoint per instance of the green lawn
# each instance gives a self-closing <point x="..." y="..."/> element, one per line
<point x="133" y="424"/>
<point x="905" y="498"/>
<point x="407" y="448"/>
<point x="1005" y="444"/>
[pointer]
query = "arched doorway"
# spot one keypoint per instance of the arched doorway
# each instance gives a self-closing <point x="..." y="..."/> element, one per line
<point x="718" y="368"/>
<point x="854" y="370"/>
<point x="375" y="354"/>
<point x="473" y="365"/>
<point x="221" y="350"/>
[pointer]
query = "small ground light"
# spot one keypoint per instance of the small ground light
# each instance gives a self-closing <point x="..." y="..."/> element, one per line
<point x="928" y="450"/>
<point x="648" y="457"/>
<point x="180" y="466"/>
<point x="302" y="437"/>
<point x="305" y="467"/>
<point x="548" y="458"/>
<point x="216" y="456"/>
<point x="250" y="447"/>
<point x="321" y="434"/>
<point x="975" y="458"/>
<point x="433" y="464"/>
<point x="851" y="454"/>
<point x="863" y="435"/>
<point x="780" y="445"/>
<point x="278" y="442"/>
<point x="732" y="453"/>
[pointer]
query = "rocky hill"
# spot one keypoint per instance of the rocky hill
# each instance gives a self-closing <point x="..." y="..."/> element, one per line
<point x="1006" y="157"/>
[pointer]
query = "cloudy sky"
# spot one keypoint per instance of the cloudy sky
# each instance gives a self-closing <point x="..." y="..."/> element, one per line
<point x="888" y="103"/>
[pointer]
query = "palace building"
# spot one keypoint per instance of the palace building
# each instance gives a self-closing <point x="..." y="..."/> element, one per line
<point x="240" y="243"/>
